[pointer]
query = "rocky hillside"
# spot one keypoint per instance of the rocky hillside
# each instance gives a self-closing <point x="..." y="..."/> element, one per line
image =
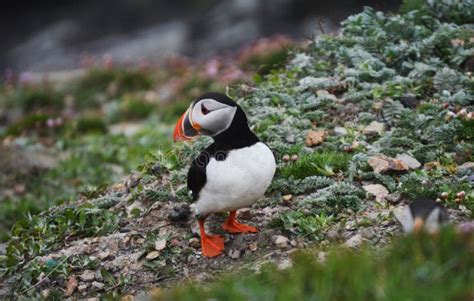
<point x="360" y="123"/>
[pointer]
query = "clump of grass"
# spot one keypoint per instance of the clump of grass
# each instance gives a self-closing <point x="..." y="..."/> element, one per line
<point x="310" y="226"/>
<point x="114" y="82"/>
<point x="317" y="163"/>
<point x="132" y="108"/>
<point x="32" y="123"/>
<point x="413" y="268"/>
<point x="91" y="124"/>
<point x="32" y="98"/>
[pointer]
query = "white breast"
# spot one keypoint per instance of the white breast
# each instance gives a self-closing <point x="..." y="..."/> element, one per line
<point x="238" y="181"/>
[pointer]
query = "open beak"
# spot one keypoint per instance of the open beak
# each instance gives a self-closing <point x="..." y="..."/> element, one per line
<point x="418" y="225"/>
<point x="184" y="129"/>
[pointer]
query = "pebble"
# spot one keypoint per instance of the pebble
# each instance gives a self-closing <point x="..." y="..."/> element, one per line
<point x="280" y="241"/>
<point x="374" y="127"/>
<point x="194" y="242"/>
<point x="394" y="198"/>
<point x="82" y="288"/>
<point x="87" y="275"/>
<point x="160" y="244"/>
<point x="234" y="254"/>
<point x="93" y="299"/>
<point x="103" y="255"/>
<point x="253" y="246"/>
<point x="466" y="166"/>
<point x="355" y="241"/>
<point x="98" y="285"/>
<point x="245" y="213"/>
<point x="409" y="160"/>
<point x="340" y="131"/>
<point x="379" y="191"/>
<point x="152" y="255"/>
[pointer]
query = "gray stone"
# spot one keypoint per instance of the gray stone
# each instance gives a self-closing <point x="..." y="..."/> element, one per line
<point x="87" y="276"/>
<point x="340" y="131"/>
<point x="98" y="285"/>
<point x="374" y="128"/>
<point x="355" y="241"/>
<point x="465" y="166"/>
<point x="280" y="241"/>
<point x="409" y="160"/>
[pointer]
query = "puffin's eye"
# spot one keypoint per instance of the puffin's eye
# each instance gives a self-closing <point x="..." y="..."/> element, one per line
<point x="204" y="110"/>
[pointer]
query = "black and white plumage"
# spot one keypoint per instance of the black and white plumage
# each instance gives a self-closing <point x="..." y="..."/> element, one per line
<point x="422" y="214"/>
<point x="235" y="170"/>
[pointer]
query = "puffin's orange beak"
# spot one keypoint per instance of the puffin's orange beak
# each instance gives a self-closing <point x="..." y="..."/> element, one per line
<point x="184" y="129"/>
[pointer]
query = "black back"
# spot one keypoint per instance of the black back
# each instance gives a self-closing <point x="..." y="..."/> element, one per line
<point x="238" y="135"/>
<point x="422" y="208"/>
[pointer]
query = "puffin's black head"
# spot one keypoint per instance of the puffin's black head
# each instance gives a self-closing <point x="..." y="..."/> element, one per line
<point x="424" y="214"/>
<point x="212" y="114"/>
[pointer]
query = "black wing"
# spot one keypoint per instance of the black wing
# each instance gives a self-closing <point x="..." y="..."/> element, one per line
<point x="197" y="172"/>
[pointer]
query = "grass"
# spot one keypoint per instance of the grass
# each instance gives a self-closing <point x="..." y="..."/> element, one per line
<point x="413" y="268"/>
<point x="317" y="163"/>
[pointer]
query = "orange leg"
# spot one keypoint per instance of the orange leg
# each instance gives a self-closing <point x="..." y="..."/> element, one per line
<point x="231" y="225"/>
<point x="212" y="245"/>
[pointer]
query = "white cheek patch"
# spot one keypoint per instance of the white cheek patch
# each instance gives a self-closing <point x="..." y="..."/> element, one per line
<point x="216" y="120"/>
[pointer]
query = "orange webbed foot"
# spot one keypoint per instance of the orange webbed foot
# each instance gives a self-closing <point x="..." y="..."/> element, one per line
<point x="212" y="245"/>
<point x="231" y="225"/>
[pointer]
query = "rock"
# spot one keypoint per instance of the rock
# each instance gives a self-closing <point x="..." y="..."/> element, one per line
<point x="98" y="285"/>
<point x="314" y="138"/>
<point x="382" y="163"/>
<point x="332" y="234"/>
<point x="71" y="286"/>
<point x="253" y="247"/>
<point x="103" y="255"/>
<point x="394" y="198"/>
<point x="367" y="233"/>
<point x="3" y="249"/>
<point x="87" y="276"/>
<point x="195" y="243"/>
<point x="280" y="241"/>
<point x="374" y="128"/>
<point x="355" y="241"/>
<point x="245" y="213"/>
<point x="340" y="131"/>
<point x="179" y="213"/>
<point x="152" y="255"/>
<point x="82" y="288"/>
<point x="191" y="260"/>
<point x="409" y="160"/>
<point x="160" y="244"/>
<point x="379" y="191"/>
<point x="234" y="254"/>
<point x="466" y="166"/>
<point x="93" y="299"/>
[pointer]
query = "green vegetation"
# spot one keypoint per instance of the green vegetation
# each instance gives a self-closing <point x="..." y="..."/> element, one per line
<point x="403" y="74"/>
<point x="414" y="268"/>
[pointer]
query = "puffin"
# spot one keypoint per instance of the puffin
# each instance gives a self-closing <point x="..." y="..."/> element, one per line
<point x="422" y="214"/>
<point x="231" y="173"/>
